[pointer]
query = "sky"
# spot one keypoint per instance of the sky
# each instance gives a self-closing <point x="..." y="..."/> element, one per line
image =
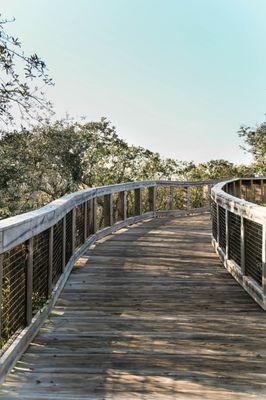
<point x="176" y="76"/>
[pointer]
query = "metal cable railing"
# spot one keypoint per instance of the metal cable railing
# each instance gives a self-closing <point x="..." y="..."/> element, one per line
<point x="241" y="237"/>
<point x="40" y="270"/>
<point x="253" y="250"/>
<point x="222" y="228"/>
<point x="234" y="223"/>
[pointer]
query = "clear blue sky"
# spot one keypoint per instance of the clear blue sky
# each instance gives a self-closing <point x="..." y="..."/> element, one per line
<point x="178" y="77"/>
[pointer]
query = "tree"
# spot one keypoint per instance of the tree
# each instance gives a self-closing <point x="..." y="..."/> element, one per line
<point x="255" y="143"/>
<point x="19" y="73"/>
<point x="49" y="160"/>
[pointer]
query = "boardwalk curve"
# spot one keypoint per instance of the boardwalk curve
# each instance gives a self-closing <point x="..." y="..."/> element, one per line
<point x="148" y="313"/>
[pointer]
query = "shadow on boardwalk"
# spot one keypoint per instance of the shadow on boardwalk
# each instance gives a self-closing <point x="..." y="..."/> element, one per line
<point x="149" y="313"/>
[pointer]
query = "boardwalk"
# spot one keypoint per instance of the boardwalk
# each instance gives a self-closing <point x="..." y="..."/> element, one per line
<point x="149" y="313"/>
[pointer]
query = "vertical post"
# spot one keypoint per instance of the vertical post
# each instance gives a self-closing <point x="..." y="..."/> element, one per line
<point x="171" y="198"/>
<point x="85" y="221"/>
<point x="226" y="234"/>
<point x="138" y="202"/>
<point x="108" y="210"/>
<point x="252" y="195"/>
<point x="122" y="205"/>
<point x="74" y="229"/>
<point x="64" y="244"/>
<point x="29" y="281"/>
<point x="91" y="219"/>
<point x="262" y="191"/>
<point x="94" y="214"/>
<point x="242" y="246"/>
<point x="218" y="224"/>
<point x="209" y="197"/>
<point x="240" y="189"/>
<point x="50" y="265"/>
<point x="1" y="290"/>
<point x="188" y="197"/>
<point x="264" y="259"/>
<point x="152" y="198"/>
<point x="234" y="189"/>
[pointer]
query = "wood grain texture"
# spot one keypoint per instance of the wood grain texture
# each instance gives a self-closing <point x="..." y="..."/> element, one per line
<point x="148" y="313"/>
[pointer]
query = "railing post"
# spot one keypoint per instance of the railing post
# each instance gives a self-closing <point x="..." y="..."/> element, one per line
<point x="226" y="234"/>
<point x="171" y="203"/>
<point x="122" y="205"/>
<point x="64" y="243"/>
<point x="264" y="259"/>
<point x="94" y="214"/>
<point x="263" y="192"/>
<point x="85" y="221"/>
<point x="50" y="265"/>
<point x="29" y="281"/>
<point x="242" y="231"/>
<point x="188" y="197"/>
<point x="209" y="197"/>
<point x="152" y="198"/>
<point x="74" y="229"/>
<point x="252" y="195"/>
<point x="234" y="188"/>
<point x="1" y="290"/>
<point x="240" y="189"/>
<point x="138" y="202"/>
<point x="108" y="210"/>
<point x="218" y="224"/>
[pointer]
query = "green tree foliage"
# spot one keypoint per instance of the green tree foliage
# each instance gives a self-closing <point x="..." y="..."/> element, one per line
<point x="214" y="169"/>
<point x="48" y="161"/>
<point x="255" y="143"/>
<point x="19" y="74"/>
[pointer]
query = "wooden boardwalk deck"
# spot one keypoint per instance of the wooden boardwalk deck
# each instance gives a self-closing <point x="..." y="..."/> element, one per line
<point x="149" y="313"/>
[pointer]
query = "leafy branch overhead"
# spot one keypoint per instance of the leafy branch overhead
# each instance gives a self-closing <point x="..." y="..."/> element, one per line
<point x="19" y="74"/>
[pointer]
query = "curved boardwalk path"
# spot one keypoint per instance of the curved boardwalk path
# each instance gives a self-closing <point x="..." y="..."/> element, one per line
<point x="149" y="313"/>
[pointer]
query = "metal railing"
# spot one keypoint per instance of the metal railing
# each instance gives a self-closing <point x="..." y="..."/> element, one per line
<point x="38" y="249"/>
<point x="239" y="232"/>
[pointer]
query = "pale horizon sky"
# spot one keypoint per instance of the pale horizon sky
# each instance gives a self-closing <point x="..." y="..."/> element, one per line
<point x="177" y="77"/>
